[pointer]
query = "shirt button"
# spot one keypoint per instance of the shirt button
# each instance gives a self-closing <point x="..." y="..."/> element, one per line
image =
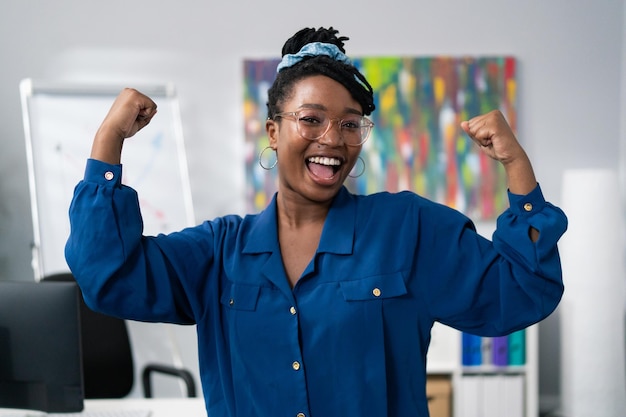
<point x="295" y="365"/>
<point x="376" y="292"/>
<point x="300" y="415"/>
<point x="292" y="310"/>
<point x="108" y="175"/>
<point x="528" y="207"/>
<point x="231" y="302"/>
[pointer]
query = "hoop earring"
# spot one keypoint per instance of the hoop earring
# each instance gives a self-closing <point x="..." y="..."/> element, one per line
<point x="267" y="168"/>
<point x="360" y="172"/>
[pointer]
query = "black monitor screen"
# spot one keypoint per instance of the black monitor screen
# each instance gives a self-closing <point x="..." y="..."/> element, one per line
<point x="40" y="356"/>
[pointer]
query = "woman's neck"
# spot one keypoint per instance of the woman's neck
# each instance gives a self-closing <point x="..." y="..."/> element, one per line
<point x="295" y="211"/>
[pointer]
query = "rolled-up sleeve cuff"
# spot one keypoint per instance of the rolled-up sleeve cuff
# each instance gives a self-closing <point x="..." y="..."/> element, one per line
<point x="103" y="173"/>
<point x="527" y="205"/>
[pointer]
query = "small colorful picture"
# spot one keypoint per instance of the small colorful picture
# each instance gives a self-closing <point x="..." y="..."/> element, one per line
<point x="417" y="143"/>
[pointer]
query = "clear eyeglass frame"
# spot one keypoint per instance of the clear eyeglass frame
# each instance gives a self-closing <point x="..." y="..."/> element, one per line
<point x="365" y="126"/>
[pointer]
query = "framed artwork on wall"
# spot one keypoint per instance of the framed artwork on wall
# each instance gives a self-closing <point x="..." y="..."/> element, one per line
<point x="417" y="143"/>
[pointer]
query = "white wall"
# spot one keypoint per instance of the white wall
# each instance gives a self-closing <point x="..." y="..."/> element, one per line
<point x="622" y="167"/>
<point x="571" y="65"/>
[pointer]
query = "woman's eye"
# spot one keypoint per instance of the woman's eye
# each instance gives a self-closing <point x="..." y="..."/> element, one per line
<point x="350" y="124"/>
<point x="310" y="119"/>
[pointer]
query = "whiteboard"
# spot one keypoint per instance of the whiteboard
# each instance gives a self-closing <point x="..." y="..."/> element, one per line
<point x="60" y="122"/>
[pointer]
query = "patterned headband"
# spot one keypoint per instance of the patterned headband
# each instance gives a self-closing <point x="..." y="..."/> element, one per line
<point x="313" y="49"/>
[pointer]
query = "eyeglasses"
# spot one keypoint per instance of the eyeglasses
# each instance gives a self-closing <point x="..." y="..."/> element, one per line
<point x="312" y="124"/>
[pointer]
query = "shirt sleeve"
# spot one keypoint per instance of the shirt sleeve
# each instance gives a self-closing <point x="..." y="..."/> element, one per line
<point x="495" y="287"/>
<point x="511" y="238"/>
<point x="120" y="271"/>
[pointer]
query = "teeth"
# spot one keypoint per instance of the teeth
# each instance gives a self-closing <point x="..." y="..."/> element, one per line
<point x="325" y="160"/>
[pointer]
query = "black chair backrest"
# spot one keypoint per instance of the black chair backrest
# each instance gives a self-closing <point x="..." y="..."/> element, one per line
<point x="108" y="367"/>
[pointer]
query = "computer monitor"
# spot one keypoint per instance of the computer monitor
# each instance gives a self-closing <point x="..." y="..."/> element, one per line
<point x="40" y="353"/>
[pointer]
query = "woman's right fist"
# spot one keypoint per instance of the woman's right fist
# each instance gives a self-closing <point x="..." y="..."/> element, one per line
<point x="131" y="111"/>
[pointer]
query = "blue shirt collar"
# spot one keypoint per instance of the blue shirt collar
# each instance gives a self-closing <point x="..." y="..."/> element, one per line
<point x="337" y="235"/>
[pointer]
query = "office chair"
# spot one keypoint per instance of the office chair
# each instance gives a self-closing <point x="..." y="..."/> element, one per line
<point x="108" y="367"/>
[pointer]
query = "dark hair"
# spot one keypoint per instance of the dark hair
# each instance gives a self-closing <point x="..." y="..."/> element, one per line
<point x="345" y="74"/>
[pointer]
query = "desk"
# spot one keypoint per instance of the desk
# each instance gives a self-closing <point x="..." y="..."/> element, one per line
<point x="160" y="407"/>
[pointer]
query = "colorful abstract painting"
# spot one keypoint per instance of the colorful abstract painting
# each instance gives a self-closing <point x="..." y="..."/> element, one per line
<point x="417" y="143"/>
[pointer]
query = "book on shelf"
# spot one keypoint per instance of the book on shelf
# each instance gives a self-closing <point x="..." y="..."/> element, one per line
<point x="470" y="397"/>
<point x="487" y="350"/>
<point x="517" y="348"/>
<point x="497" y="395"/>
<point x="472" y="349"/>
<point x="499" y="351"/>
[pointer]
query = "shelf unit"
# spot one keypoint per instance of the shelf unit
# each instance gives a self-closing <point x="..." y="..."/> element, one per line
<point x="445" y="358"/>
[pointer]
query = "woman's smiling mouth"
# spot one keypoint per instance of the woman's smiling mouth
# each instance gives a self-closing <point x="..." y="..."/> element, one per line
<point x="323" y="166"/>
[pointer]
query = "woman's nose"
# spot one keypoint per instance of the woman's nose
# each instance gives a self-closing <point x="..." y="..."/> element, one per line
<point x="333" y="135"/>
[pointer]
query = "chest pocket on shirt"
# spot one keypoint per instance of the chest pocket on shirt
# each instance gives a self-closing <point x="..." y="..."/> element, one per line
<point x="241" y="297"/>
<point x="374" y="288"/>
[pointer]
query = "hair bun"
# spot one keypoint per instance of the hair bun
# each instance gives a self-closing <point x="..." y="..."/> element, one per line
<point x="309" y="35"/>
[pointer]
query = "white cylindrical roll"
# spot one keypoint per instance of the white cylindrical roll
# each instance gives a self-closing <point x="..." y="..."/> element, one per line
<point x="592" y="312"/>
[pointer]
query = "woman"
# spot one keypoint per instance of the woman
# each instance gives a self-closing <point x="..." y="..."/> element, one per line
<point x="322" y="304"/>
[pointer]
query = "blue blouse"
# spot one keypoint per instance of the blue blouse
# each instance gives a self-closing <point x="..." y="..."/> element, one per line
<point x="351" y="337"/>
